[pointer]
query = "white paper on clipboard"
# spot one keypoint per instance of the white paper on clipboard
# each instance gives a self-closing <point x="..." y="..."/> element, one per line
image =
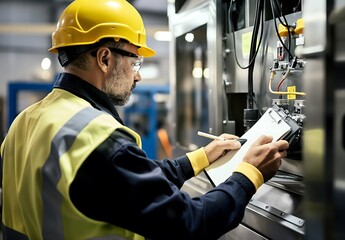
<point x="271" y="123"/>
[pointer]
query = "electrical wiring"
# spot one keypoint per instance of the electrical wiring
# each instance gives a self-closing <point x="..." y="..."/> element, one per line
<point x="285" y="23"/>
<point x="232" y="31"/>
<point x="253" y="47"/>
<point x="295" y="8"/>
<point x="283" y="78"/>
<point x="258" y="108"/>
<point x="272" y="75"/>
<point x="276" y="28"/>
<point x="280" y="83"/>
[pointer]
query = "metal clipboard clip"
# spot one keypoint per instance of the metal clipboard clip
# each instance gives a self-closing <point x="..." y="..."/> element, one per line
<point x="278" y="114"/>
<point x="275" y="116"/>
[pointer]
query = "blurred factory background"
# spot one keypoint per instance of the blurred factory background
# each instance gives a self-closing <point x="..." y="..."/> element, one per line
<point x="26" y="27"/>
<point x="28" y="69"/>
<point x="220" y="65"/>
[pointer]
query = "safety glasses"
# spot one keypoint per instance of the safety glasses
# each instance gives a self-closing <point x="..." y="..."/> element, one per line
<point x="136" y="64"/>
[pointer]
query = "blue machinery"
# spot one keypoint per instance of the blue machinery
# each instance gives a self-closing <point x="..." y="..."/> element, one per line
<point x="146" y="108"/>
<point x="12" y="96"/>
<point x="147" y="112"/>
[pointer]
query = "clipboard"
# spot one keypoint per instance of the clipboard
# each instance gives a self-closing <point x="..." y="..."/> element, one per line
<point x="274" y="122"/>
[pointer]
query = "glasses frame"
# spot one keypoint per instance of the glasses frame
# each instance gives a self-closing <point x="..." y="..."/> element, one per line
<point x="136" y="64"/>
<point x="123" y="52"/>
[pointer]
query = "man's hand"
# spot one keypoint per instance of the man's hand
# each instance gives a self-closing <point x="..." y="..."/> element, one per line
<point x="266" y="156"/>
<point x="218" y="148"/>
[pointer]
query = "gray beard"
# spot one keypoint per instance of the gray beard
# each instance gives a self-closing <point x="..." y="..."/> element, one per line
<point x="117" y="100"/>
<point x="120" y="99"/>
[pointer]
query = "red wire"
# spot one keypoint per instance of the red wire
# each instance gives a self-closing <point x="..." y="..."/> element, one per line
<point x="280" y="83"/>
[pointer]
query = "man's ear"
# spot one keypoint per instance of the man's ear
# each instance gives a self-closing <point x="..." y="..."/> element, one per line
<point x="103" y="58"/>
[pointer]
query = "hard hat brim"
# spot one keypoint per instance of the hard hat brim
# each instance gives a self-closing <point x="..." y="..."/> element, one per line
<point x="146" y="52"/>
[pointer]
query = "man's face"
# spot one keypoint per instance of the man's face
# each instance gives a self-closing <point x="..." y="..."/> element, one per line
<point x="120" y="83"/>
<point x="122" y="80"/>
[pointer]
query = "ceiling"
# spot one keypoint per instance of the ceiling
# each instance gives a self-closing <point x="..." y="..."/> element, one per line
<point x="155" y="6"/>
<point x="154" y="15"/>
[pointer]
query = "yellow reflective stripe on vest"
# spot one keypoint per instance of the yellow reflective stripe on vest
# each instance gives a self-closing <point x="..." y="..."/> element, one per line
<point x="51" y="172"/>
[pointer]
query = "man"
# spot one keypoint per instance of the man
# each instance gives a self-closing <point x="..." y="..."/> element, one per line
<point x="72" y="170"/>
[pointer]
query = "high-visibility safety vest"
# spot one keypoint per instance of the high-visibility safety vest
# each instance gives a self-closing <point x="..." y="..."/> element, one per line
<point x="42" y="152"/>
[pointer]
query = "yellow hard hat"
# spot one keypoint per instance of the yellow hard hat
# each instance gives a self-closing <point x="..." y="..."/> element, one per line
<point x="85" y="22"/>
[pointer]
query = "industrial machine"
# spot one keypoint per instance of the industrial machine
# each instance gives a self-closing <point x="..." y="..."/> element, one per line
<point x="231" y="61"/>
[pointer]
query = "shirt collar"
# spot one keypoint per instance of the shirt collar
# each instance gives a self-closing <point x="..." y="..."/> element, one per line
<point x="88" y="92"/>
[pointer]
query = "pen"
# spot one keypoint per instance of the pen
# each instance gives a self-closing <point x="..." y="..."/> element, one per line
<point x="207" y="135"/>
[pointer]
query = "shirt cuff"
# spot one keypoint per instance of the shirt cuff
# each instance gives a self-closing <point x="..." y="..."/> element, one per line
<point x="198" y="159"/>
<point x="252" y="173"/>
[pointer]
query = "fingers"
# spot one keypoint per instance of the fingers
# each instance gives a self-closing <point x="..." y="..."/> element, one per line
<point x="266" y="155"/>
<point x="228" y="136"/>
<point x="264" y="139"/>
<point x="229" y="144"/>
<point x="282" y="145"/>
<point x="218" y="148"/>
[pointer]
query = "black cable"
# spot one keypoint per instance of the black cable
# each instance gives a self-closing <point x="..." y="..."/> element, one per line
<point x="280" y="11"/>
<point x="230" y="25"/>
<point x="258" y="107"/>
<point x="295" y="8"/>
<point x="276" y="28"/>
<point x="285" y="24"/>
<point x="259" y="10"/>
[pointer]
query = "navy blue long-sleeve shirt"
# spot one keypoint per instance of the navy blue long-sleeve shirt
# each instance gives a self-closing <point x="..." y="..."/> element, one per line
<point x="118" y="184"/>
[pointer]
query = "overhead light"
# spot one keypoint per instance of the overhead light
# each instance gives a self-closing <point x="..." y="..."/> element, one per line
<point x="197" y="70"/>
<point x="189" y="37"/>
<point x="206" y="73"/>
<point x="45" y="64"/>
<point x="162" y="35"/>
